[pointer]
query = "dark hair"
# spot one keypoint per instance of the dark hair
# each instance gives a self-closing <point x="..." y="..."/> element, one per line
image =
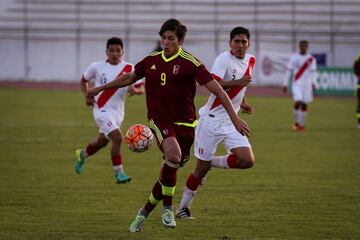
<point x="239" y="30"/>
<point x="304" y="42"/>
<point x="114" y="40"/>
<point x="175" y="26"/>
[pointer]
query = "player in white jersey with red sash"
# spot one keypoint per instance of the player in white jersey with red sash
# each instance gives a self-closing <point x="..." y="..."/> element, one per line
<point x="232" y="69"/>
<point x="302" y="69"/>
<point x="108" y="106"/>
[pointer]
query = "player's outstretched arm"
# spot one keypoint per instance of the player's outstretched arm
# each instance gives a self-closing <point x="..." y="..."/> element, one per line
<point x="217" y="90"/>
<point x="122" y="81"/>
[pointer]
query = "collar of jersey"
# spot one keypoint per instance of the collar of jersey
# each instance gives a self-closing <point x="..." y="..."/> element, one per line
<point x="172" y="57"/>
<point x="237" y="59"/>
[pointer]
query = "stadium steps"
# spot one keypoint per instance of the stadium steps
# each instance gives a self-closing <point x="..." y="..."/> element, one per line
<point x="141" y="18"/>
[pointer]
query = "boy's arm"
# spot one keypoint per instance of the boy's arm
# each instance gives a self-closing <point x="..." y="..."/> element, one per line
<point x="122" y="81"/>
<point x="245" y="107"/>
<point x="84" y="84"/>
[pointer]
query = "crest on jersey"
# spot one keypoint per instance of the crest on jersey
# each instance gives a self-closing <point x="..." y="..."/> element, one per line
<point x="165" y="132"/>
<point x="176" y="69"/>
<point x="153" y="67"/>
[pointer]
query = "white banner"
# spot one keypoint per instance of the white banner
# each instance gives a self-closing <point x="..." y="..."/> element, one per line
<point x="271" y="68"/>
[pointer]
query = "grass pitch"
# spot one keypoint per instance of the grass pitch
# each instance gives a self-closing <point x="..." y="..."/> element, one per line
<point x="303" y="186"/>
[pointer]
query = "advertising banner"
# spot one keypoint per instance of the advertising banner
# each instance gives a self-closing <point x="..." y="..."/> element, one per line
<point x="331" y="81"/>
<point x="336" y="81"/>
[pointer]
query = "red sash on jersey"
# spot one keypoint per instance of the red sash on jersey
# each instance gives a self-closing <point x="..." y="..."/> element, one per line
<point x="232" y="92"/>
<point x="303" y="68"/>
<point x="106" y="94"/>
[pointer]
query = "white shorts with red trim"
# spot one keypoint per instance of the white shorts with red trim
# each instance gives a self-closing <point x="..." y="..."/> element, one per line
<point x="209" y="133"/>
<point x="107" y="122"/>
<point x="302" y="93"/>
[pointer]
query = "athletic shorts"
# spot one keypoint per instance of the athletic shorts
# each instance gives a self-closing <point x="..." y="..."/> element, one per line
<point x="183" y="134"/>
<point x="107" y="123"/>
<point x="302" y="94"/>
<point x="209" y="133"/>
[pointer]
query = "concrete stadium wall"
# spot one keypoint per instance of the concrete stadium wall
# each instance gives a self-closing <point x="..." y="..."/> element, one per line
<point x="48" y="40"/>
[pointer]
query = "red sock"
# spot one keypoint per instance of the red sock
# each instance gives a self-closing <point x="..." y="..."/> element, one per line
<point x="90" y="150"/>
<point x="168" y="178"/>
<point x="116" y="160"/>
<point x="157" y="193"/>
<point x="193" y="182"/>
<point x="232" y="161"/>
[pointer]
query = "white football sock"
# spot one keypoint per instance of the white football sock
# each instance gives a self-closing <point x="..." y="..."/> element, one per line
<point x="302" y="118"/>
<point x="187" y="198"/>
<point x="297" y="114"/>
<point x="118" y="168"/>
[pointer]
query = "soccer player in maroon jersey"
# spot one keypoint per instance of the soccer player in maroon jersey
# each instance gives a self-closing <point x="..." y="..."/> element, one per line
<point x="170" y="84"/>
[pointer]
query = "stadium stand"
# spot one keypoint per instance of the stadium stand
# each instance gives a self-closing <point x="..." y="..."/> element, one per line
<point x="331" y="26"/>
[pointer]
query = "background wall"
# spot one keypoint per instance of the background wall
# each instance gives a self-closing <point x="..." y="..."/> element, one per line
<point x="52" y="40"/>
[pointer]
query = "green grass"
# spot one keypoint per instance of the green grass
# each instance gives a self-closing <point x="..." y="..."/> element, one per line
<point x="303" y="186"/>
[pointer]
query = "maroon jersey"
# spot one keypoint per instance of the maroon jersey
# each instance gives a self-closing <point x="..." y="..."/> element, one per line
<point x="170" y="85"/>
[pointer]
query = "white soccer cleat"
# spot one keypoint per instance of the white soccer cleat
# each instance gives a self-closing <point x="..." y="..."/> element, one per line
<point x="138" y="223"/>
<point x="168" y="218"/>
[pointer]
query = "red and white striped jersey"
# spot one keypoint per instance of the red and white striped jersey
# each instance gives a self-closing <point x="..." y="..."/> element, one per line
<point x="303" y="69"/>
<point x="109" y="100"/>
<point x="227" y="67"/>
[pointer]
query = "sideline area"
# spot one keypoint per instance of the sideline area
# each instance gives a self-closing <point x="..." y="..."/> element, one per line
<point x="251" y="91"/>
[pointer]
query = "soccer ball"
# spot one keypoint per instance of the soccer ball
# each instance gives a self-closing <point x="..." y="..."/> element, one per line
<point x="139" y="138"/>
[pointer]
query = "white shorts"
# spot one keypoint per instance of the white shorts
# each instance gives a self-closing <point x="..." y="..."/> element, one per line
<point x="208" y="134"/>
<point x="302" y="94"/>
<point x="107" y="122"/>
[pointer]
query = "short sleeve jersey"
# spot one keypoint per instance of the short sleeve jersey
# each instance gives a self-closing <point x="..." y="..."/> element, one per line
<point x="227" y="67"/>
<point x="302" y="67"/>
<point x="170" y="85"/>
<point x="110" y="100"/>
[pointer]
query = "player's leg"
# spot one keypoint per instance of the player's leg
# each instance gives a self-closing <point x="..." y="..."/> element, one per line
<point x="240" y="152"/>
<point x="296" y="113"/>
<point x="297" y="97"/>
<point x="172" y="158"/>
<point x="205" y="145"/>
<point x="307" y="97"/>
<point x="116" y="158"/>
<point x="358" y="105"/>
<point x="94" y="146"/>
<point x="302" y="116"/>
<point x="106" y="124"/>
<point x="192" y="184"/>
<point x="241" y="158"/>
<point x="163" y="188"/>
<point x="154" y="198"/>
<point x="185" y="138"/>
